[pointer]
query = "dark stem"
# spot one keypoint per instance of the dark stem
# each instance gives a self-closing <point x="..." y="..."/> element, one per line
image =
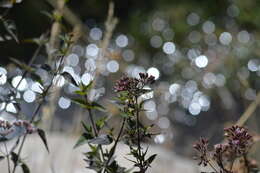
<point x="231" y="166"/>
<point x="138" y="135"/>
<point x="116" y="142"/>
<point x="32" y="119"/>
<point x="23" y="76"/>
<point x="8" y="159"/>
<point x="92" y="122"/>
<point x="35" y="54"/>
<point x="213" y="167"/>
<point x="30" y="64"/>
<point x="246" y="163"/>
<point x="37" y="110"/>
<point x="95" y="132"/>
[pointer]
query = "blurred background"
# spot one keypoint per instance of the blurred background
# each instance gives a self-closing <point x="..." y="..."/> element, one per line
<point x="204" y="56"/>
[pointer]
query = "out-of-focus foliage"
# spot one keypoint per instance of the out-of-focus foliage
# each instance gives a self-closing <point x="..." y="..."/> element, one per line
<point x="204" y="55"/>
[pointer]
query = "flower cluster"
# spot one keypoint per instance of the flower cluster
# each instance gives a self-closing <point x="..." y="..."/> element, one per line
<point x="239" y="140"/>
<point x="29" y="128"/>
<point x="9" y="130"/>
<point x="202" y="148"/>
<point x="146" y="79"/>
<point x="133" y="85"/>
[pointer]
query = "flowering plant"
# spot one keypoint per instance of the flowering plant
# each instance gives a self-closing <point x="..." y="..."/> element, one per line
<point x="229" y="156"/>
<point x="131" y="131"/>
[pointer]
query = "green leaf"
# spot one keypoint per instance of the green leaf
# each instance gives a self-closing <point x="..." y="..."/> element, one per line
<point x="85" y="88"/>
<point x="42" y="135"/>
<point x="81" y="93"/>
<point x="25" y="168"/>
<point x="2" y="158"/>
<point x="150" y="159"/>
<point x="46" y="67"/>
<point x="36" y="78"/>
<point x="69" y="78"/>
<point x="22" y="65"/>
<point x="46" y="13"/>
<point x="80" y="102"/>
<point x="86" y="127"/>
<point x="14" y="158"/>
<point x="81" y="141"/>
<point x="101" y="140"/>
<point x="85" y="105"/>
<point x="97" y="106"/>
<point x="101" y="122"/>
<point x="17" y="106"/>
<point x="10" y="28"/>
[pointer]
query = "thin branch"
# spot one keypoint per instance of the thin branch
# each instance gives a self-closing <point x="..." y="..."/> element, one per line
<point x="8" y="159"/>
<point x="138" y="134"/>
<point x="116" y="142"/>
<point x="249" y="111"/>
<point x="55" y="30"/>
<point x="39" y="107"/>
<point x="32" y="119"/>
<point x="95" y="132"/>
<point x="246" y="163"/>
<point x="110" y="25"/>
<point x="35" y="54"/>
<point x="71" y="18"/>
<point x="92" y="122"/>
<point x="213" y="167"/>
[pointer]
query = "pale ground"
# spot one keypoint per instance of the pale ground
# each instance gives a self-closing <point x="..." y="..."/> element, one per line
<point x="64" y="159"/>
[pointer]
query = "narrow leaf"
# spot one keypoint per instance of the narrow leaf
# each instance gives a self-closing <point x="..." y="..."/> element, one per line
<point x="101" y="140"/>
<point x="150" y="159"/>
<point x="22" y="65"/>
<point x="81" y="141"/>
<point x="25" y="168"/>
<point x="14" y="158"/>
<point x="97" y="106"/>
<point x="46" y="67"/>
<point x="2" y="158"/>
<point x="69" y="78"/>
<point x="42" y="135"/>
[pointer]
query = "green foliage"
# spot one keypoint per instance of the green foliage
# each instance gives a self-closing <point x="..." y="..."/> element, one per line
<point x="131" y="131"/>
<point x="42" y="135"/>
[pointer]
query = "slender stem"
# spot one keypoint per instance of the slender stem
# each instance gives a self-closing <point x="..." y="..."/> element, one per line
<point x="57" y="71"/>
<point x="116" y="142"/>
<point x="246" y="163"/>
<point x="37" y="110"/>
<point x="231" y="165"/>
<point x="249" y="111"/>
<point x="138" y="134"/>
<point x="8" y="159"/>
<point x="95" y="132"/>
<point x="92" y="122"/>
<point x="213" y="167"/>
<point x="35" y="54"/>
<point x="25" y="136"/>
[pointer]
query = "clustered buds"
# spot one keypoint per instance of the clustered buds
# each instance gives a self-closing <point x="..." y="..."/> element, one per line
<point x="125" y="84"/>
<point x="28" y="126"/>
<point x="9" y="130"/>
<point x="239" y="141"/>
<point x="202" y="148"/>
<point x="146" y="79"/>
<point x="5" y="128"/>
<point x="133" y="85"/>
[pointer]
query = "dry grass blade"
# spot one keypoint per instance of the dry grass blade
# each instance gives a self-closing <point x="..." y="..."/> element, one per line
<point x="71" y="18"/>
<point x="249" y="111"/>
